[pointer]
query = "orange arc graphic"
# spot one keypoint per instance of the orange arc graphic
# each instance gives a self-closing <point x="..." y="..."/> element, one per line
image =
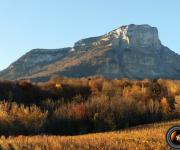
<point x="173" y="135"/>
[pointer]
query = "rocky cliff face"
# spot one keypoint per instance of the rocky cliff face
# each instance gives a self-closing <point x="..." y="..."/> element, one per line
<point x="132" y="51"/>
<point x="133" y="36"/>
<point x="33" y="61"/>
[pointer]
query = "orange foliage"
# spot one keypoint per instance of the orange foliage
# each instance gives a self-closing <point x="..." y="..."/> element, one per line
<point x="165" y="105"/>
<point x="79" y="111"/>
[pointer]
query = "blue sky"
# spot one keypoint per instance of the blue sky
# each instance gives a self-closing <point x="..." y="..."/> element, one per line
<point x="28" y="24"/>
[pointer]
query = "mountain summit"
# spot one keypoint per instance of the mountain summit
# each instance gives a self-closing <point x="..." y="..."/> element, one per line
<point x="132" y="51"/>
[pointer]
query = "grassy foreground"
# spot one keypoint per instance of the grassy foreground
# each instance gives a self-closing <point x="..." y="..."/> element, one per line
<point x="147" y="137"/>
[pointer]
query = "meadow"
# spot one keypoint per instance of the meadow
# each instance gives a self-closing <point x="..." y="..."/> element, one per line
<point x="144" y="137"/>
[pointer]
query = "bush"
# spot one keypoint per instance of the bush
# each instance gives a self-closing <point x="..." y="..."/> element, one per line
<point x="84" y="105"/>
<point x="18" y="119"/>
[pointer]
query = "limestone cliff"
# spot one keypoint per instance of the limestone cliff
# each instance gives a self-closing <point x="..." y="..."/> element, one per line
<point x="132" y="51"/>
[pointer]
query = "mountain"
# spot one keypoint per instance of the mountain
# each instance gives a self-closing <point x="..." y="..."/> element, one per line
<point x="132" y="51"/>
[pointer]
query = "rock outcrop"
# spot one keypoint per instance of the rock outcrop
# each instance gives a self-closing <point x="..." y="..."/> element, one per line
<point x="132" y="51"/>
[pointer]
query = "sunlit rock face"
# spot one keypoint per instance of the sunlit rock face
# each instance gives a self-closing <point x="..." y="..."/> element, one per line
<point x="131" y="51"/>
<point x="130" y="36"/>
<point x="143" y="36"/>
<point x="136" y="36"/>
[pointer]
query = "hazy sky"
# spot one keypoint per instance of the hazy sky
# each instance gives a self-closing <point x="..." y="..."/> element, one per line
<point x="28" y="24"/>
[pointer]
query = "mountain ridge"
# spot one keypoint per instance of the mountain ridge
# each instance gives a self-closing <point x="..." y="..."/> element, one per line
<point x="132" y="51"/>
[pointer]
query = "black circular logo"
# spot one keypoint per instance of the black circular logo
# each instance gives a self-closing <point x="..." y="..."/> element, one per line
<point x="173" y="137"/>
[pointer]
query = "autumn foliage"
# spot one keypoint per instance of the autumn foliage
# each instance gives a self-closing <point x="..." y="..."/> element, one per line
<point x="77" y="106"/>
